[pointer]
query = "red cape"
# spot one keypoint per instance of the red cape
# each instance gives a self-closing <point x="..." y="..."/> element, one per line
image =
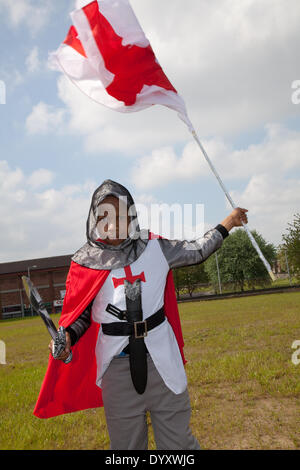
<point x="72" y="387"/>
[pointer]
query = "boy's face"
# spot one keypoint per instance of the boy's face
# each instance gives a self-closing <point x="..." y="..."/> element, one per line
<point x="113" y="220"/>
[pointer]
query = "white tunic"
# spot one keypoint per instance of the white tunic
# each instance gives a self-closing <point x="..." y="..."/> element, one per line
<point x="160" y="341"/>
<point x="155" y="261"/>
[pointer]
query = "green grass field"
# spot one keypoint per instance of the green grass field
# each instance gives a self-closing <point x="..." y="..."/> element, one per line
<point x="244" y="388"/>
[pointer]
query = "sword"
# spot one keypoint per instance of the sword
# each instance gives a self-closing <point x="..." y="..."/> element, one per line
<point x="58" y="336"/>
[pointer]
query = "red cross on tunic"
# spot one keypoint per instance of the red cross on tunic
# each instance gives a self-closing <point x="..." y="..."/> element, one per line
<point x="129" y="277"/>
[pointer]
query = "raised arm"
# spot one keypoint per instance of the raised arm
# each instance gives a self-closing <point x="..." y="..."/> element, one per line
<point x="179" y="253"/>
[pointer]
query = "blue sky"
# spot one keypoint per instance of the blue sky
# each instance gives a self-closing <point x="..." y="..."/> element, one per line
<point x="234" y="66"/>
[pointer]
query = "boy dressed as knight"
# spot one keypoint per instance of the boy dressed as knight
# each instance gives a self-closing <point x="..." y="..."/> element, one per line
<point x="122" y="324"/>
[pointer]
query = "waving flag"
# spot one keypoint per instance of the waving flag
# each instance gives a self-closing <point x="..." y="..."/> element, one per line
<point x="107" y="55"/>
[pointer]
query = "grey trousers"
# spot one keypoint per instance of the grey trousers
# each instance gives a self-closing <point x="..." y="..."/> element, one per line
<point x="125" y="410"/>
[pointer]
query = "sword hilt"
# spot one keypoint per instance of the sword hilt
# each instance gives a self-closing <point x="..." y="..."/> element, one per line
<point x="59" y="344"/>
<point x="69" y="358"/>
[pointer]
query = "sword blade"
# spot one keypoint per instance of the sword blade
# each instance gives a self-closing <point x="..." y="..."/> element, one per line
<point x="38" y="305"/>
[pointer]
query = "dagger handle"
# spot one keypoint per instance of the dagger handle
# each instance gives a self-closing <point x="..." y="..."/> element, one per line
<point x="69" y="358"/>
<point x="59" y="345"/>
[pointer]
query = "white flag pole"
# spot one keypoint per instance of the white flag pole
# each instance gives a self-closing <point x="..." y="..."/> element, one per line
<point x="252" y="239"/>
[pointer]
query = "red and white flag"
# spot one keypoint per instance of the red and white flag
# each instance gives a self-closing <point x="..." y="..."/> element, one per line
<point x="107" y="55"/>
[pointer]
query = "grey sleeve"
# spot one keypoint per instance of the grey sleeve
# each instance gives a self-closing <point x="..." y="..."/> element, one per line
<point x="79" y="327"/>
<point x="179" y="253"/>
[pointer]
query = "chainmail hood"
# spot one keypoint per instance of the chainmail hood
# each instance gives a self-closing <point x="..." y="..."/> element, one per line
<point x="98" y="255"/>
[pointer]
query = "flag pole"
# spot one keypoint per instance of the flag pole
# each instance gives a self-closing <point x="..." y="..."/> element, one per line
<point x="252" y="239"/>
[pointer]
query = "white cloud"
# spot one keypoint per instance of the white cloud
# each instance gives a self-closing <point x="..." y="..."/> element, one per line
<point x="40" y="178"/>
<point x="11" y="76"/>
<point x="39" y="222"/>
<point x="277" y="154"/>
<point x="163" y="166"/>
<point x="234" y="64"/>
<point x="32" y="60"/>
<point x="32" y="13"/>
<point x="107" y="130"/>
<point x="224" y="61"/>
<point x="102" y="128"/>
<point x="272" y="203"/>
<point x="80" y="3"/>
<point x="45" y="119"/>
<point x="267" y="169"/>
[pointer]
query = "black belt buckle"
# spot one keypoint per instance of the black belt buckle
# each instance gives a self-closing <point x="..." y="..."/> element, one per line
<point x="136" y="332"/>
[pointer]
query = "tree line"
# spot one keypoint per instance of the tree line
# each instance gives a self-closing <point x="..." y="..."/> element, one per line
<point x="237" y="265"/>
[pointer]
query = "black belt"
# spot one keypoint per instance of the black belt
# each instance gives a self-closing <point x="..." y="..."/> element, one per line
<point x="137" y="329"/>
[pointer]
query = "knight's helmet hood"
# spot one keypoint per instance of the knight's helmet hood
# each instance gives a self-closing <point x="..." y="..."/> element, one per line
<point x="98" y="255"/>
<point x="111" y="188"/>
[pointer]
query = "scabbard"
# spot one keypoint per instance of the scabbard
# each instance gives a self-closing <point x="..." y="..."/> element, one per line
<point x="137" y="347"/>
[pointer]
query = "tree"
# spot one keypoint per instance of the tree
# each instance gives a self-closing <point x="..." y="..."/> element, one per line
<point x="239" y="263"/>
<point x="189" y="277"/>
<point x="292" y="245"/>
<point x="178" y="280"/>
<point x="281" y="258"/>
